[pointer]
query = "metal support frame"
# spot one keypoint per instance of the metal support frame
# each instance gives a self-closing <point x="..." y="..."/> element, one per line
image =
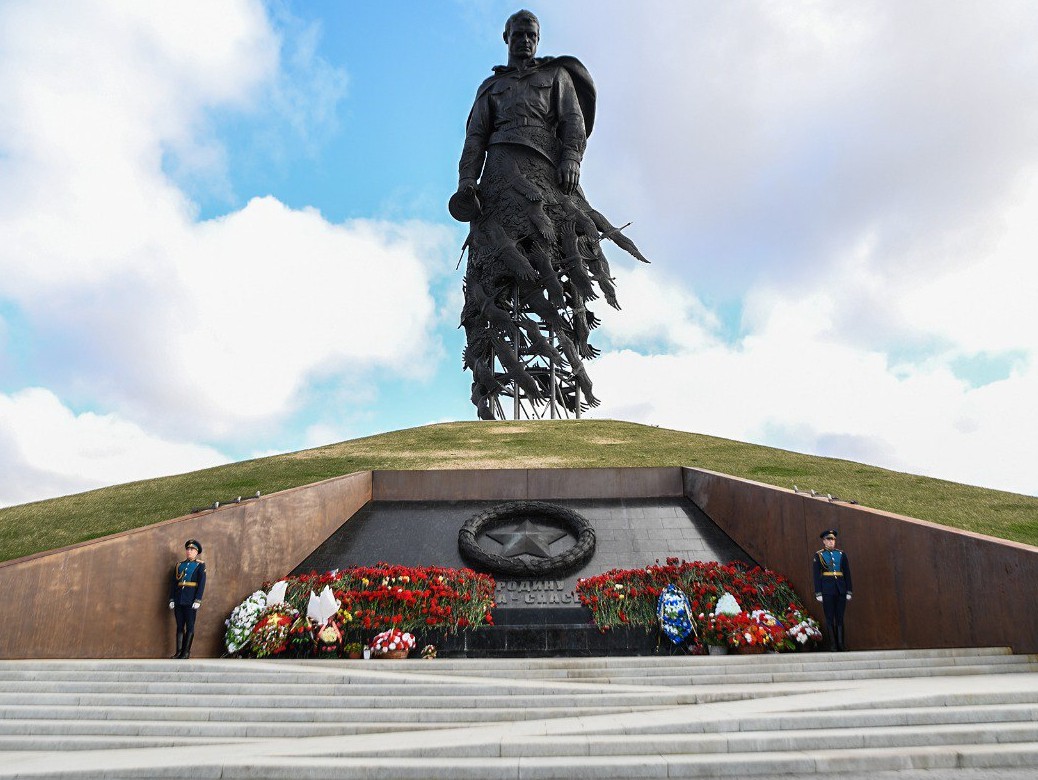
<point x="555" y="379"/>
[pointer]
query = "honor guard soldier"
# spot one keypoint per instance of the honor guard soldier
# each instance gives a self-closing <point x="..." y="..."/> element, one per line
<point x="832" y="575"/>
<point x="185" y="596"/>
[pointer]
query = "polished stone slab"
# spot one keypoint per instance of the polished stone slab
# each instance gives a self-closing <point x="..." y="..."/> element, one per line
<point x="630" y="533"/>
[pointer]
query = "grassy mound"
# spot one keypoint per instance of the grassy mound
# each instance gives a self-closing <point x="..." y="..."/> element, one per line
<point x="44" y="525"/>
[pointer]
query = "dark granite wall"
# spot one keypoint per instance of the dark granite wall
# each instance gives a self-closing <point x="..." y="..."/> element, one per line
<point x="630" y="533"/>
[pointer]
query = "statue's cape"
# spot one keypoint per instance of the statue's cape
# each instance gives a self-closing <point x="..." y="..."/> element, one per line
<point x="582" y="81"/>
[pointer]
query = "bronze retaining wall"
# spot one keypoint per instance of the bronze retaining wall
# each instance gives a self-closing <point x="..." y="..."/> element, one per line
<point x="916" y="584"/>
<point x="519" y="484"/>
<point x="107" y="598"/>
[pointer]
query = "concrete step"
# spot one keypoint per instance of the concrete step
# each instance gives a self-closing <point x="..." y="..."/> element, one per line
<point x="758" y="764"/>
<point x="570" y="669"/>
<point x="244" y="687"/>
<point x="382" y="688"/>
<point x="103" y="742"/>
<point x="407" y="684"/>
<point x="100" y="673"/>
<point x="194" y="667"/>
<point x="767" y="741"/>
<point x="655" y="662"/>
<point x="987" y="713"/>
<point x="795" y="662"/>
<point x="304" y="723"/>
<point x="772" y="670"/>
<point x="799" y="714"/>
<point x="665" y="657"/>
<point x="276" y="714"/>
<point x="676" y="744"/>
<point x="203" y="730"/>
<point x="811" y="676"/>
<point x="348" y="700"/>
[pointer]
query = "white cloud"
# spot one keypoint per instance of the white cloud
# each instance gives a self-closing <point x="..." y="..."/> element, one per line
<point x="188" y="326"/>
<point x="94" y="95"/>
<point x="49" y="450"/>
<point x="758" y="141"/>
<point x="269" y="297"/>
<point x="657" y="313"/>
<point x="193" y="329"/>
<point x="793" y="381"/>
<point x="862" y="182"/>
<point x="989" y="304"/>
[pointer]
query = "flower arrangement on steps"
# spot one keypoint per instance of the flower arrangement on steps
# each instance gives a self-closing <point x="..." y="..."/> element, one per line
<point x="393" y="643"/>
<point x="330" y="614"/>
<point x="771" y="615"/>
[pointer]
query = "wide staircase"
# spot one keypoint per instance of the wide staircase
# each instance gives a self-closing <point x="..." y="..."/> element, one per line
<point x="947" y="713"/>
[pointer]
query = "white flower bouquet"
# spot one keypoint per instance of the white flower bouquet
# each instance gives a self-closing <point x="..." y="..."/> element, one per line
<point x="242" y="620"/>
<point x="807" y="631"/>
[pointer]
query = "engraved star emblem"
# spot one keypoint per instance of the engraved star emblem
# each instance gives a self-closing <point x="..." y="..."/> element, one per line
<point x="527" y="538"/>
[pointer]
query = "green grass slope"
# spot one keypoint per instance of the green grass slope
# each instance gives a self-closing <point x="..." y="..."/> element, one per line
<point x="44" y="525"/>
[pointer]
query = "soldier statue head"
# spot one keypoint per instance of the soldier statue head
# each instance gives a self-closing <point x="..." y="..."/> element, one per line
<point x="521" y="15"/>
<point x="522" y="34"/>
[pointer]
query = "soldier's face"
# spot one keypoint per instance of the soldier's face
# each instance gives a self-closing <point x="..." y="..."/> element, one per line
<point x="829" y="542"/>
<point x="522" y="39"/>
<point x="192" y="553"/>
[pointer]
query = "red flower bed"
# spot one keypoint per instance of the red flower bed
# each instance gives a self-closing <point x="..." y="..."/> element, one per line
<point x="627" y="597"/>
<point x="410" y="598"/>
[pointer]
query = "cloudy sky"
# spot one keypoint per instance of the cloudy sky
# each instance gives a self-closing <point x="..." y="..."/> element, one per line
<point x="223" y="229"/>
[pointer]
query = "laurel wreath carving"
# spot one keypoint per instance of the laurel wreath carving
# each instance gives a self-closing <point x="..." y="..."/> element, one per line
<point x="568" y="561"/>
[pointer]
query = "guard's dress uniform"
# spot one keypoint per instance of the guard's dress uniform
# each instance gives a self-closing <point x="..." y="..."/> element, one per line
<point x="187" y="587"/>
<point x="832" y="575"/>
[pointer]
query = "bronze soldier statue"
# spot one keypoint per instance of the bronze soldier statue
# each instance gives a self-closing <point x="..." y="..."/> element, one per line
<point x="535" y="256"/>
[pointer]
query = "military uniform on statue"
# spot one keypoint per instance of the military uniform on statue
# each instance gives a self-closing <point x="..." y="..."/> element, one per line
<point x="534" y="241"/>
<point x="832" y="576"/>
<point x="185" y="596"/>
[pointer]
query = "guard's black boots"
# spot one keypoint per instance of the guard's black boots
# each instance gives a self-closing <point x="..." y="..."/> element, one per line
<point x="180" y="645"/>
<point x="186" y="652"/>
<point x="833" y="644"/>
<point x="839" y="639"/>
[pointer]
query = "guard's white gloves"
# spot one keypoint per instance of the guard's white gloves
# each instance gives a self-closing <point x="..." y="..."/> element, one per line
<point x="171" y="605"/>
<point x="818" y="597"/>
<point x="848" y="597"/>
<point x="196" y="605"/>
